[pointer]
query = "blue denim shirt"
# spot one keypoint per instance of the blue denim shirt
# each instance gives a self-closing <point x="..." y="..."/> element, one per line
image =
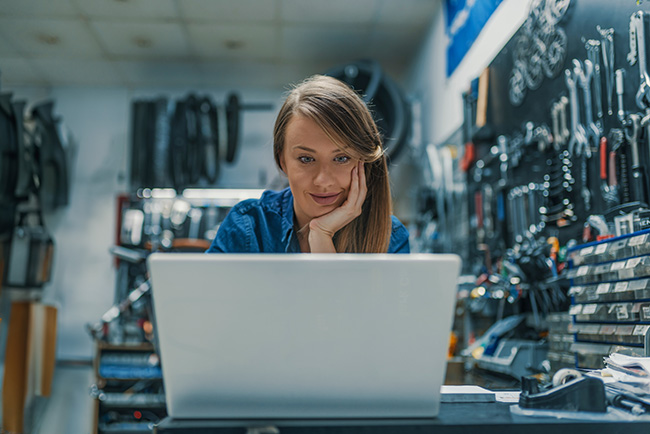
<point x="266" y="225"/>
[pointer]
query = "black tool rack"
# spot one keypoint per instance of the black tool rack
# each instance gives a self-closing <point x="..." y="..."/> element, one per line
<point x="610" y="298"/>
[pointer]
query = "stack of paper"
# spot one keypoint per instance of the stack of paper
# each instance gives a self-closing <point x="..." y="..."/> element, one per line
<point x="628" y="369"/>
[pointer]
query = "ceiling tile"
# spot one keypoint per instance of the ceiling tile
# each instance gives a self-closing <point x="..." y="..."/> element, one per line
<point x="331" y="11"/>
<point x="229" y="10"/>
<point x="50" y="38"/>
<point x="323" y="43"/>
<point x="6" y="48"/>
<point x="38" y="8"/>
<point x="19" y="72"/>
<point x="252" y="42"/>
<point x="296" y="72"/>
<point x="128" y="9"/>
<point x="407" y="12"/>
<point x="262" y="75"/>
<point x="156" y="73"/>
<point x="143" y="40"/>
<point x="393" y="44"/>
<point x="68" y="72"/>
<point x="241" y="74"/>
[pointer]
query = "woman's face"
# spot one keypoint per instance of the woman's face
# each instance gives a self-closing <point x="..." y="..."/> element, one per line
<point x="319" y="172"/>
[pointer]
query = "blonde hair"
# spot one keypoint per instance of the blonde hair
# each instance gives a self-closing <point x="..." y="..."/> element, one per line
<point x="342" y="115"/>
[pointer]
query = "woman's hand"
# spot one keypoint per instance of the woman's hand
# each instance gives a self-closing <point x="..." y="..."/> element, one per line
<point x="323" y="228"/>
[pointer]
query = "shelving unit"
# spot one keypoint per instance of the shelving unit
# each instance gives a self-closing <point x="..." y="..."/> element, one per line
<point x="128" y="392"/>
<point x="610" y="294"/>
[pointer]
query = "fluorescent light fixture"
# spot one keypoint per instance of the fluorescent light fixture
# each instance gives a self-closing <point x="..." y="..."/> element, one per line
<point x="222" y="193"/>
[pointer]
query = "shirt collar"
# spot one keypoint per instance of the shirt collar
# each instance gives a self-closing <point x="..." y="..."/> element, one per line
<point x="286" y="207"/>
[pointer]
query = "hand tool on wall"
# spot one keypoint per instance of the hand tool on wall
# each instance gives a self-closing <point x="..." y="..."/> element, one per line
<point x="584" y="76"/>
<point x="607" y="51"/>
<point x="620" y="73"/>
<point x="609" y="185"/>
<point x="578" y="142"/>
<point x="643" y="160"/>
<point x="564" y="129"/>
<point x="593" y="54"/>
<point x="637" y="33"/>
<point x="638" y="180"/>
<point x="617" y="137"/>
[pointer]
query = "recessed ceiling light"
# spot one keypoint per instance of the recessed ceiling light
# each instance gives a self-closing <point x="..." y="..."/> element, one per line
<point x="48" y="39"/>
<point x="142" y="42"/>
<point x="233" y="44"/>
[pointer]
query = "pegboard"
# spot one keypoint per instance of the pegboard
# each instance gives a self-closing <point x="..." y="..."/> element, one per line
<point x="503" y="118"/>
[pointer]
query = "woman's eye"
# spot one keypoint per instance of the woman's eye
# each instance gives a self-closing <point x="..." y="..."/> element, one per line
<point x="305" y="159"/>
<point x="342" y="159"/>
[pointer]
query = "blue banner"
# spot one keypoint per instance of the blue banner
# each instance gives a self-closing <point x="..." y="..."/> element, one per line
<point x="464" y="21"/>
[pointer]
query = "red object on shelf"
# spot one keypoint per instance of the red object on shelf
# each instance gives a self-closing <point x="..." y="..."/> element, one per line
<point x="468" y="157"/>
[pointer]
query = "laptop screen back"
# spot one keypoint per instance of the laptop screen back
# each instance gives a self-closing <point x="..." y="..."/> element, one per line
<point x="303" y="336"/>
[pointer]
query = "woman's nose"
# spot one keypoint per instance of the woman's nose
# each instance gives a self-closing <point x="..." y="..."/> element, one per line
<point x="323" y="176"/>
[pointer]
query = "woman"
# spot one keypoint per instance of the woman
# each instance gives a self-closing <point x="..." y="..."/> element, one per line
<point x="338" y="199"/>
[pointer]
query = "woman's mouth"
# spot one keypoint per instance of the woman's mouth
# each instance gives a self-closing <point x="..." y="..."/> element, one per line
<point x="325" y="199"/>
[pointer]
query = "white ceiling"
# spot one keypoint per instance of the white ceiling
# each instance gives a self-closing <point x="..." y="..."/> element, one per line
<point x="249" y="43"/>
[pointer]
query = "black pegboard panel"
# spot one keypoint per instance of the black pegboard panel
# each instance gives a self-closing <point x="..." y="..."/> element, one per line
<point x="580" y="22"/>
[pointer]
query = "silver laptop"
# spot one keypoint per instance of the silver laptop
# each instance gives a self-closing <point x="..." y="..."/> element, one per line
<point x="303" y="336"/>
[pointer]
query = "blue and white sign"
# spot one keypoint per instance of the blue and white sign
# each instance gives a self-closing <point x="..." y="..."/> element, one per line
<point x="465" y="20"/>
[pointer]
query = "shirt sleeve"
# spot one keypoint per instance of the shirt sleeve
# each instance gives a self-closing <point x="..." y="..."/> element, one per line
<point x="235" y="234"/>
<point x="399" y="238"/>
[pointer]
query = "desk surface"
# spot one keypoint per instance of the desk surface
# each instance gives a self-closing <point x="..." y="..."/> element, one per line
<point x="454" y="418"/>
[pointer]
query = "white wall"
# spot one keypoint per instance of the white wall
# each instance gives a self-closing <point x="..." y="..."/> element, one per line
<point x="99" y="118"/>
<point x="441" y="97"/>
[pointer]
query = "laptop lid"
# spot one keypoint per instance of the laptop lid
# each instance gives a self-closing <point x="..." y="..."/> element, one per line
<point x="303" y="336"/>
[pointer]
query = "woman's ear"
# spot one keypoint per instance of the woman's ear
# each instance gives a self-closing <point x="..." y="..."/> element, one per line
<point x="282" y="164"/>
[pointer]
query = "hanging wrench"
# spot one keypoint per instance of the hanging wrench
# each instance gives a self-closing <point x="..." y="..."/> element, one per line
<point x="607" y="50"/>
<point x="584" y="80"/>
<point x="638" y="173"/>
<point x="564" y="130"/>
<point x="631" y="56"/>
<point x="643" y="94"/>
<point x="620" y="75"/>
<point x="578" y="142"/>
<point x="593" y="54"/>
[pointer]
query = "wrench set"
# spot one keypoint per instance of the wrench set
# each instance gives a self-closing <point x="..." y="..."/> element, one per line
<point x="585" y="148"/>
<point x="563" y="158"/>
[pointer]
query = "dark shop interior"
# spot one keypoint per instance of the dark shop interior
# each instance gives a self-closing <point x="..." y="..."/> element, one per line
<point x="332" y="217"/>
